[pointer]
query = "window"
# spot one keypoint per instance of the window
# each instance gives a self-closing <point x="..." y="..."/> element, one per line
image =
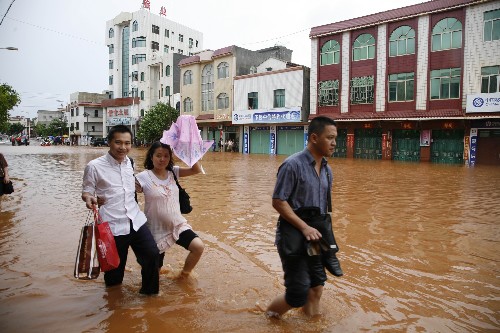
<point x="111" y="48"/>
<point x="253" y="101"/>
<point x="135" y="92"/>
<point x="167" y="91"/>
<point x="180" y="51"/>
<point x="328" y="93"/>
<point x="139" y="42"/>
<point x="492" y="25"/>
<point x="222" y="101"/>
<point x="445" y="83"/>
<point x="135" y="76"/>
<point x="490" y="79"/>
<point x="279" y="98"/>
<point x="142" y="95"/>
<point x="167" y="33"/>
<point x="188" y="105"/>
<point x="223" y="70"/>
<point x="77" y="125"/>
<point x="207" y="88"/>
<point x="401" y="87"/>
<point x="362" y="90"/>
<point x="402" y="41"/>
<point x="111" y="64"/>
<point x="72" y="113"/>
<point x="142" y="76"/>
<point x="137" y="58"/>
<point x="92" y="129"/>
<point x="447" y="34"/>
<point x="167" y="70"/>
<point x="155" y="46"/>
<point x="110" y="79"/>
<point x="363" y="48"/>
<point x="181" y="38"/>
<point x="142" y="112"/>
<point x="155" y="29"/>
<point x="188" y="78"/>
<point x="135" y="26"/>
<point x="190" y="43"/>
<point x="165" y="48"/>
<point x="330" y="53"/>
<point x="96" y="113"/>
<point x="111" y="33"/>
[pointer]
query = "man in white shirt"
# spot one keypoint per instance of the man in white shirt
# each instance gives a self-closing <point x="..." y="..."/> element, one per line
<point x="111" y="178"/>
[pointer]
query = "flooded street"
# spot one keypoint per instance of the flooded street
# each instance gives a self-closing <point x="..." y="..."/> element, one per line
<point x="419" y="249"/>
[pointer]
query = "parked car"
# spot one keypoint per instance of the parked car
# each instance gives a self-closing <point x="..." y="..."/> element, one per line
<point x="98" y="142"/>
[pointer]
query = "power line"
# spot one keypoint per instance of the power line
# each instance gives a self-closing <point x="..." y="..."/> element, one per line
<point x="58" y="32"/>
<point x="7" y="12"/>
<point x="270" y="39"/>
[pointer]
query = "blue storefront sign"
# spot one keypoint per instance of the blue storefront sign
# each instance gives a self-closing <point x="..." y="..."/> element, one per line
<point x="473" y="146"/>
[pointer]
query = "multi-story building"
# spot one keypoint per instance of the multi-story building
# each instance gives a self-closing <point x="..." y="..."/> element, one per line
<point x="271" y="106"/>
<point x="419" y="83"/>
<point x="144" y="52"/>
<point x="27" y="123"/>
<point x="207" y="86"/>
<point x="84" y="116"/>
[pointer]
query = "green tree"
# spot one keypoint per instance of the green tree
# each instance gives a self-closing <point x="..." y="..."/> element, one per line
<point x="57" y="127"/>
<point x="40" y="129"/>
<point x="14" y="129"/>
<point x="9" y="98"/>
<point x="156" y="120"/>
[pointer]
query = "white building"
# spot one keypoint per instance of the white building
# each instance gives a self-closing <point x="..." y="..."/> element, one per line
<point x="144" y="52"/>
<point x="84" y="115"/>
<point x="272" y="108"/>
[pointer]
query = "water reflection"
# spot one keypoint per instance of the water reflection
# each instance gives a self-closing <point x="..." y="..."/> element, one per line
<point x="419" y="248"/>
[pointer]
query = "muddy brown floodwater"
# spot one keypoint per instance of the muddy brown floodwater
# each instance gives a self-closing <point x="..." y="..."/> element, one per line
<point x="419" y="248"/>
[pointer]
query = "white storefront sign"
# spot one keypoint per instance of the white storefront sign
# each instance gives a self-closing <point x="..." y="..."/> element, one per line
<point x="483" y="103"/>
<point x="279" y="115"/>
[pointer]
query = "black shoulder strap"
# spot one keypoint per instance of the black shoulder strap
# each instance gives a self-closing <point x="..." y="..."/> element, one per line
<point x="175" y="178"/>
<point x="132" y="162"/>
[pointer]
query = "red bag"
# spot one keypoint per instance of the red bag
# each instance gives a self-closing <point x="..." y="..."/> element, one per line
<point x="107" y="252"/>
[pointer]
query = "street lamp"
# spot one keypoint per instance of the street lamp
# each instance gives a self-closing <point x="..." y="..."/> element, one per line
<point x="10" y="48"/>
<point x="86" y="114"/>
<point x="66" y="117"/>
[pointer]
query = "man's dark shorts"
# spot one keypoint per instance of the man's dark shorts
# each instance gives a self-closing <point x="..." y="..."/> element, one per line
<point x="301" y="274"/>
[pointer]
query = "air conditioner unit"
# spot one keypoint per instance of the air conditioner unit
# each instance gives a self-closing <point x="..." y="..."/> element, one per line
<point x="220" y="127"/>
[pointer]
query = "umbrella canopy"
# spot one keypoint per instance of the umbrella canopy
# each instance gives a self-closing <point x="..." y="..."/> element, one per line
<point x="185" y="139"/>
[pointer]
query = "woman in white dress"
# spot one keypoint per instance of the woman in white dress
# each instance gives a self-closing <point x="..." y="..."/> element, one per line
<point x="162" y="208"/>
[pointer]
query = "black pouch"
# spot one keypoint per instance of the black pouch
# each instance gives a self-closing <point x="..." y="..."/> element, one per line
<point x="294" y="243"/>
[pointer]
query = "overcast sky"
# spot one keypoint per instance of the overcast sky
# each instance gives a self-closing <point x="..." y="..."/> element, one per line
<point x="62" y="50"/>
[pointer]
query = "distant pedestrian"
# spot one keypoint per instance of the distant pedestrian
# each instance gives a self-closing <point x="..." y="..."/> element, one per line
<point x="4" y="173"/>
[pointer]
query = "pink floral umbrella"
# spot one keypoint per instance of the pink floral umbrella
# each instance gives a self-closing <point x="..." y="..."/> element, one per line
<point x="185" y="139"/>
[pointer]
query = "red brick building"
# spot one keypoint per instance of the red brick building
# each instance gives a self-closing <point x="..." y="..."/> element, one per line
<point x="419" y="83"/>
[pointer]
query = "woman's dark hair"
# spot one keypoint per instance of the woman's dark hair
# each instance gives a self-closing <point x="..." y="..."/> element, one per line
<point x="118" y="129"/>
<point x="318" y="124"/>
<point x="148" y="161"/>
